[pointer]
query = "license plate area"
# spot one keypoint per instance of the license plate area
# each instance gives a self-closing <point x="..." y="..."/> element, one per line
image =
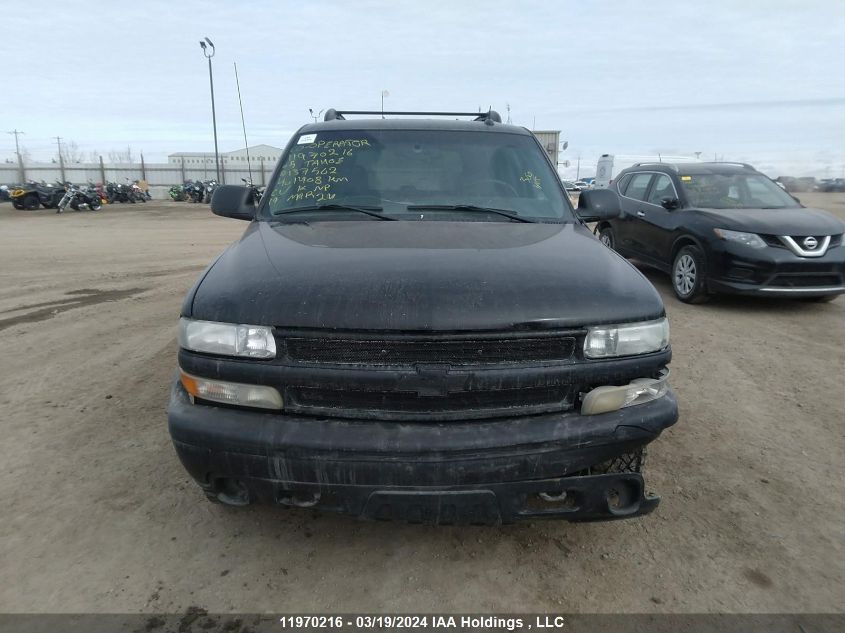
<point x="474" y="507"/>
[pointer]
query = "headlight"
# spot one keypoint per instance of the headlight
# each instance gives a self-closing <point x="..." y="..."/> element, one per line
<point x="629" y="339"/>
<point x="612" y="398"/>
<point x="227" y="339"/>
<point x="749" y="239"/>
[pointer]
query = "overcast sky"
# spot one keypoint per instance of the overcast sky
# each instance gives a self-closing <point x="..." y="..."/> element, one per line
<point x="758" y="81"/>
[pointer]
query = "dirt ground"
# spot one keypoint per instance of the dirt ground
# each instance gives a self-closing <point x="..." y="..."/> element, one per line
<point x="98" y="514"/>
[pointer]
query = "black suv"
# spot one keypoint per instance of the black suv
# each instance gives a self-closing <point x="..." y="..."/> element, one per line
<point x="725" y="227"/>
<point x="391" y="339"/>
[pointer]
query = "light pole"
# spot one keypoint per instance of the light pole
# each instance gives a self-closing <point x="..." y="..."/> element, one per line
<point x="208" y="56"/>
<point x="384" y="93"/>
<point x="316" y="116"/>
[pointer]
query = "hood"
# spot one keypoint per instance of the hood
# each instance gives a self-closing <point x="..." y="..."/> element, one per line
<point x="789" y="221"/>
<point x="423" y="275"/>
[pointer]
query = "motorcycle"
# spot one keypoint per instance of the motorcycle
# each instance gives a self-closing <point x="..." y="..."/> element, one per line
<point x="139" y="194"/>
<point x="257" y="191"/>
<point x="195" y="191"/>
<point x="78" y="199"/>
<point x="115" y="193"/>
<point x="119" y="193"/>
<point x="177" y="193"/>
<point x="101" y="192"/>
<point x="210" y="186"/>
<point x="4" y="194"/>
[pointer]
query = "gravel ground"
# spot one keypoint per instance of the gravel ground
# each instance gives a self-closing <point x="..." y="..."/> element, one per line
<point x="98" y="514"/>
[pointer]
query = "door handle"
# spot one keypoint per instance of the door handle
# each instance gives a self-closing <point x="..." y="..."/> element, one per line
<point x="641" y="214"/>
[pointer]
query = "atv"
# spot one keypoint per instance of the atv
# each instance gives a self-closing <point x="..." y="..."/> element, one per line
<point x="31" y="196"/>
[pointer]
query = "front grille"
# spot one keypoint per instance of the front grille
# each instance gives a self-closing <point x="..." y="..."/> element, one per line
<point x="805" y="281"/>
<point x="773" y="240"/>
<point x="409" y="405"/>
<point x="412" y="350"/>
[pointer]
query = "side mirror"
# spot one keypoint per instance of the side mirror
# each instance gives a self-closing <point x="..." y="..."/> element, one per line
<point x="669" y="203"/>
<point x="595" y="205"/>
<point x="233" y="201"/>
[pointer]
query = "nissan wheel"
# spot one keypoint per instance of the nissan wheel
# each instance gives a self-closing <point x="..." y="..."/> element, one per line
<point x="689" y="273"/>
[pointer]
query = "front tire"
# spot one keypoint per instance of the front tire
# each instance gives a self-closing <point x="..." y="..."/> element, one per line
<point x="689" y="274"/>
<point x="31" y="203"/>
<point x="607" y="238"/>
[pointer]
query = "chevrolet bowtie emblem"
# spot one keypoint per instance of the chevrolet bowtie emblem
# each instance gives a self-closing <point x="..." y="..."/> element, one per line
<point x="437" y="381"/>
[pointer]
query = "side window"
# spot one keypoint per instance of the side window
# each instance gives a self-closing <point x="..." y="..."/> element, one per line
<point x="637" y="187"/>
<point x="662" y="188"/>
<point x="622" y="183"/>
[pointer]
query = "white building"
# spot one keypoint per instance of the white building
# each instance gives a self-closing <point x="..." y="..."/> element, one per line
<point x="258" y="154"/>
<point x="550" y="140"/>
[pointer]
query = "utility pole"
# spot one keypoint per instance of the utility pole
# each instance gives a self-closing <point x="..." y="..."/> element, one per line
<point x="61" y="158"/>
<point x="18" y="152"/>
<point x="578" y="169"/>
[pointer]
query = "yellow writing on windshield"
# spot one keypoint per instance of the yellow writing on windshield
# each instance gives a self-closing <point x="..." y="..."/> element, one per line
<point x="313" y="170"/>
<point x="529" y="177"/>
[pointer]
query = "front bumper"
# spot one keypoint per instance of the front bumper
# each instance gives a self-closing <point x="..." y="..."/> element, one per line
<point x="776" y="272"/>
<point x="489" y="472"/>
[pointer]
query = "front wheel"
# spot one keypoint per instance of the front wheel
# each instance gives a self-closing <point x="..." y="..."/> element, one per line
<point x="689" y="271"/>
<point x="31" y="203"/>
<point x="607" y="237"/>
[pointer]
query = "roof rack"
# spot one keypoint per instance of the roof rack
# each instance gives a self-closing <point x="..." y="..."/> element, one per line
<point x="728" y="162"/>
<point x="490" y="117"/>
<point x="654" y="162"/>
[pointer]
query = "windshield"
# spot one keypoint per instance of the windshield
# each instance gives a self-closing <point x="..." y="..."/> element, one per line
<point x="734" y="191"/>
<point x="418" y="174"/>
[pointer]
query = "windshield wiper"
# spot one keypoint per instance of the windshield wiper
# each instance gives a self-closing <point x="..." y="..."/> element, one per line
<point x="469" y="207"/>
<point x="374" y="212"/>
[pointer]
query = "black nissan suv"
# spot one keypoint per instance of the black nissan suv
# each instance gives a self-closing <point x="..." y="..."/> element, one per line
<point x="416" y="325"/>
<point x="725" y="227"/>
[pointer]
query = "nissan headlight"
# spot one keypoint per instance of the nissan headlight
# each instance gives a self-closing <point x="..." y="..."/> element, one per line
<point x="629" y="339"/>
<point x="751" y="240"/>
<point x="227" y="339"/>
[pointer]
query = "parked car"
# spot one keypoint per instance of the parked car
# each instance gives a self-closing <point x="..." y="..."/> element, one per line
<point x="571" y="186"/>
<point x="582" y="185"/>
<point x="391" y="339"/>
<point x="829" y="185"/>
<point x="725" y="227"/>
<point x="797" y="185"/>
